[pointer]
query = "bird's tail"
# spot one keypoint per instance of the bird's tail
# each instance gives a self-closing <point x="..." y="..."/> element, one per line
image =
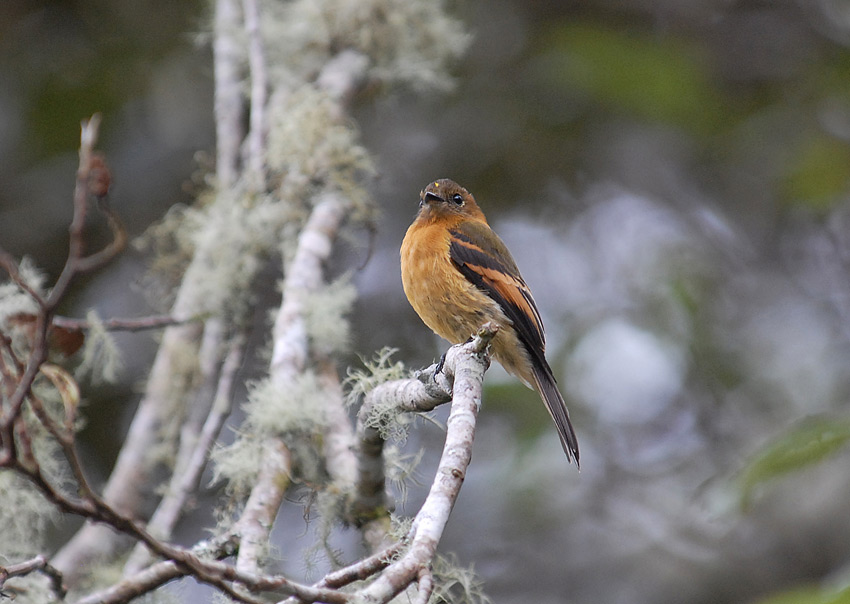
<point x="548" y="389"/>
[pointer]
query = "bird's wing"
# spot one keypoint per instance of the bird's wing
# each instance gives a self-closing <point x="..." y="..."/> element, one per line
<point x="485" y="261"/>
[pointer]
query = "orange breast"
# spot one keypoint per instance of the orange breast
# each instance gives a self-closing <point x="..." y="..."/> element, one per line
<point x="449" y="304"/>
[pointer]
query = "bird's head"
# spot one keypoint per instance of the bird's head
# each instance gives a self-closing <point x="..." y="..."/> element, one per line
<point x="445" y="199"/>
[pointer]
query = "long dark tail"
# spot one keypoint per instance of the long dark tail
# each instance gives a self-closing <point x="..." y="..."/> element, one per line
<point x="548" y="389"/>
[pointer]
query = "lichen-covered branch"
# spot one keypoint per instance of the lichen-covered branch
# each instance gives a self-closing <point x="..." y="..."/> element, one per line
<point x="290" y="355"/>
<point x="420" y="394"/>
<point x="37" y="564"/>
<point x="187" y="477"/>
<point x="256" y="522"/>
<point x="467" y="362"/>
<point x="338" y="437"/>
<point x="303" y="177"/>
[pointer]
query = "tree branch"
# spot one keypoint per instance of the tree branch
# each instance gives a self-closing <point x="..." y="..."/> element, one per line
<point x="75" y="264"/>
<point x="186" y="479"/>
<point x="257" y="519"/>
<point x="256" y="170"/>
<point x="290" y="355"/>
<point x="134" y="324"/>
<point x="420" y="394"/>
<point x="467" y="362"/>
<point x="338" y="442"/>
<point x="37" y="564"/>
<point x="229" y="99"/>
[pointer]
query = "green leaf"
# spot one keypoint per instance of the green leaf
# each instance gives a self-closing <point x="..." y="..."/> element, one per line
<point x="809" y="442"/>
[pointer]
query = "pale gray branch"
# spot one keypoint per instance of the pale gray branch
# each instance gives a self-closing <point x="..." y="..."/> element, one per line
<point x="290" y="354"/>
<point x="304" y="276"/>
<point x="194" y="447"/>
<point x="137" y="584"/>
<point x="229" y="100"/>
<point x="37" y="564"/>
<point x="115" y="324"/>
<point x="467" y="362"/>
<point x="256" y="164"/>
<point x="423" y="393"/>
<point x="425" y="586"/>
<point x="339" y="442"/>
<point x="256" y="522"/>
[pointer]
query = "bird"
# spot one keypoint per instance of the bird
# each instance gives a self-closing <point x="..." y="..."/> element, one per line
<point x="458" y="274"/>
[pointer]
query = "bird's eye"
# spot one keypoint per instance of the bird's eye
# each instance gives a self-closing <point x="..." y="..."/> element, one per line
<point x="457" y="198"/>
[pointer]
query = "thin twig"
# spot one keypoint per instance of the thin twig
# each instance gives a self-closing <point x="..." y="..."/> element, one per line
<point x="134" y="324"/>
<point x="76" y="243"/>
<point x="37" y="564"/>
<point x="37" y="356"/>
<point x="362" y="569"/>
<point x="425" y="585"/>
<point x="359" y="571"/>
<point x="265" y="583"/>
<point x="10" y="265"/>
<point x="113" y="248"/>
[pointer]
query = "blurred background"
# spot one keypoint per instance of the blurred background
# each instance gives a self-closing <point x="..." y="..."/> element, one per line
<point x="673" y="178"/>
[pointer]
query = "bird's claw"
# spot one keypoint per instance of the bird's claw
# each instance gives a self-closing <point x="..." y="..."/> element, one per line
<point x="440" y="364"/>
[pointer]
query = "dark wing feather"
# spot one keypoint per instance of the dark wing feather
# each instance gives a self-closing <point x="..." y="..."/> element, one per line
<point x="485" y="261"/>
<point x="557" y="408"/>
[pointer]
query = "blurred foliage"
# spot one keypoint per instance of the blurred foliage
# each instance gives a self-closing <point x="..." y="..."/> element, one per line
<point x="819" y="173"/>
<point x="528" y="418"/>
<point x="809" y="595"/>
<point x="809" y="442"/>
<point x="86" y="51"/>
<point x="639" y="74"/>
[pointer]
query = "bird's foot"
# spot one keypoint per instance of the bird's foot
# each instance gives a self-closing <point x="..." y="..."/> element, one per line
<point x="440" y="364"/>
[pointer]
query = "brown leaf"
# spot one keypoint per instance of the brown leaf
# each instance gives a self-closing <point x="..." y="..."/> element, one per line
<point x="59" y="339"/>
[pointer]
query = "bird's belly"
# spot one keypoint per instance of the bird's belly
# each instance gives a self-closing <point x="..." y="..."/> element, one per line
<point x="447" y="303"/>
<point x="457" y="312"/>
